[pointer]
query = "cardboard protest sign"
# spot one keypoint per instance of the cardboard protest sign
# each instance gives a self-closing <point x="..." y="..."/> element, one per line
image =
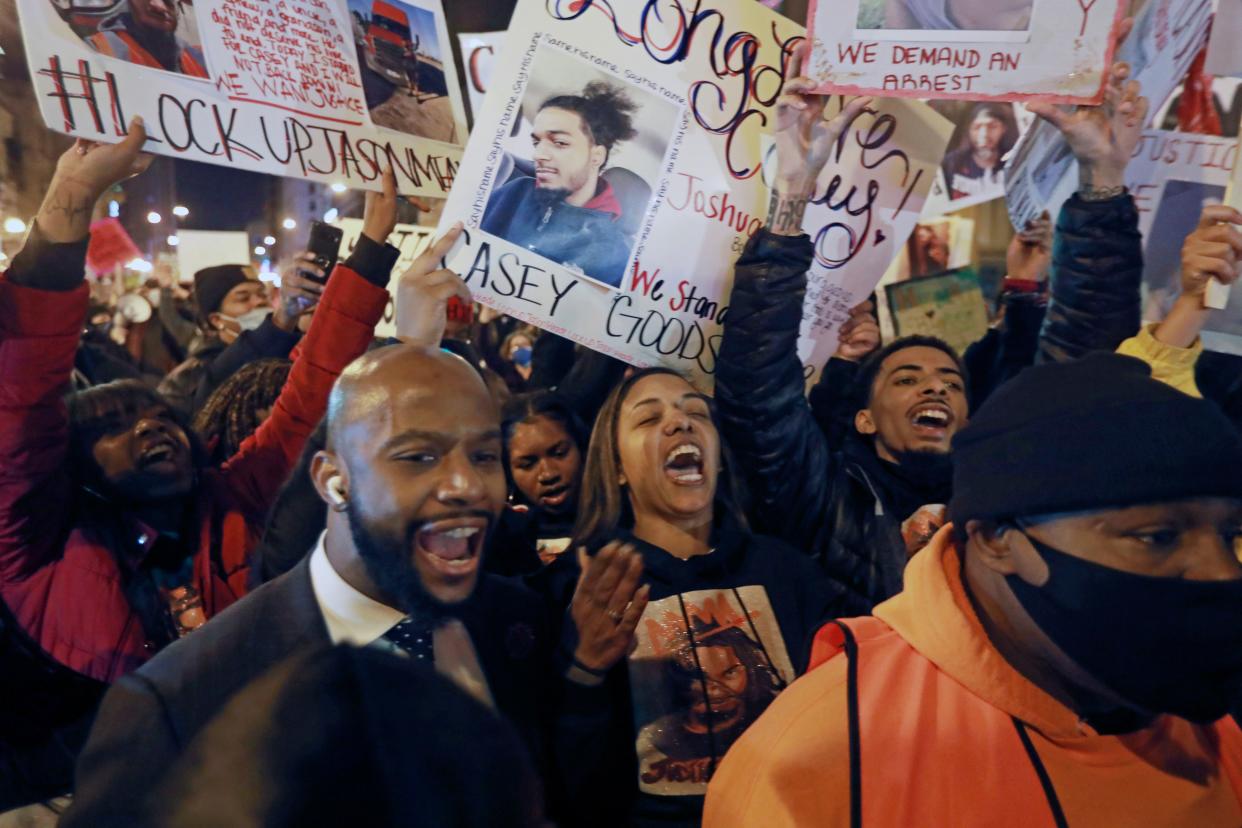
<point x="1166" y="37"/>
<point x="410" y="239"/>
<point x="643" y="269"/>
<point x="110" y="246"/>
<point x="478" y="55"/>
<point x="949" y="306"/>
<point x="318" y="89"/>
<point x="1053" y="50"/>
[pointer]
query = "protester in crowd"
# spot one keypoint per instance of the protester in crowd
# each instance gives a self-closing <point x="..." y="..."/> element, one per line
<point x="414" y="482"/>
<point x="115" y="537"/>
<point x="371" y="757"/>
<point x="976" y="166"/>
<point x="1172" y="347"/>
<point x="173" y="306"/>
<point x="145" y="32"/>
<point x="684" y="625"/>
<point x="516" y="353"/>
<point x="1067" y="649"/>
<point x="100" y="359"/>
<point x="863" y="510"/>
<point x="241" y="326"/>
<point x="544" y="443"/>
<point x="239" y="407"/>
<point x="568" y="211"/>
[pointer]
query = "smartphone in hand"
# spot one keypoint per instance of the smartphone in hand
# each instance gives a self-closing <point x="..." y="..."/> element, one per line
<point x="325" y="245"/>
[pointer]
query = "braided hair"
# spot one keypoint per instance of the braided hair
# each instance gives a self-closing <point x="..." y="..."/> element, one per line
<point x="606" y="111"/>
<point x="231" y="413"/>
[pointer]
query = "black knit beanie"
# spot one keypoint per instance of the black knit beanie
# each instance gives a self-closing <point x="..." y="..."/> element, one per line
<point x="212" y="284"/>
<point x="1098" y="433"/>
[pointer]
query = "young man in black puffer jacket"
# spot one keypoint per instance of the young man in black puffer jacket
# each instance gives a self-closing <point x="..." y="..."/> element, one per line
<point x="848" y="508"/>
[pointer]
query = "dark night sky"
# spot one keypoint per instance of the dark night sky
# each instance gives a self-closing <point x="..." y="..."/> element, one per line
<point x="221" y="198"/>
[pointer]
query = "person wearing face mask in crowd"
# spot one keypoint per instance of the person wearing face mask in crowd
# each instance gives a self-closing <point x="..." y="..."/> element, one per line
<point x="545" y="443"/>
<point x="413" y="481"/>
<point x="1065" y="652"/>
<point x="240" y="326"/>
<point x="517" y="352"/>
<point x="683" y="625"/>
<point x="115" y="537"/>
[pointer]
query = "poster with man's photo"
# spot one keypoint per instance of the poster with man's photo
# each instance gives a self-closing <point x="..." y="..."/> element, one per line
<point x="973" y="169"/>
<point x="611" y="181"/>
<point x="705" y="666"/>
<point x="998" y="50"/>
<point x="326" y="90"/>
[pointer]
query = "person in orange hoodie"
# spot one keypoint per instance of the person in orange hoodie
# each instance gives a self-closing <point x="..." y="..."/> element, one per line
<point x="1064" y="652"/>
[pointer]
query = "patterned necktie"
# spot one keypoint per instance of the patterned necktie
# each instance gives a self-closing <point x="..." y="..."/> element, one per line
<point x="414" y="636"/>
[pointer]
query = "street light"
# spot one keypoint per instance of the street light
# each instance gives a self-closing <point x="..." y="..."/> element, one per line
<point x="181" y="211"/>
<point x="289" y="224"/>
<point x="339" y="188"/>
<point x="13" y="224"/>
<point x="154" y="217"/>
<point x="331" y="215"/>
<point x="140" y="265"/>
<point x="269" y="240"/>
<point x="260" y="251"/>
<point x="173" y="241"/>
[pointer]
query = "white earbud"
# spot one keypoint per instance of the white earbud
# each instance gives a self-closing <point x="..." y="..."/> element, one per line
<point x="335" y="493"/>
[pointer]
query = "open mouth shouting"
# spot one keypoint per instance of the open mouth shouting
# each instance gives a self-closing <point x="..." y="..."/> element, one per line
<point x="932" y="420"/>
<point x="162" y="452"/>
<point x="684" y="465"/>
<point x="452" y="548"/>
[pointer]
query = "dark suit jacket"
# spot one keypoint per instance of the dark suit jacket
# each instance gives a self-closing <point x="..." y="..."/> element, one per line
<point x="149" y="716"/>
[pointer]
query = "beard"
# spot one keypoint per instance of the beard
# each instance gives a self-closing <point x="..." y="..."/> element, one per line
<point x="546" y="197"/>
<point x="388" y="563"/>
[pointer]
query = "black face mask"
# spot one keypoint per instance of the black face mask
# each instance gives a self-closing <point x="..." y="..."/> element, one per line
<point x="1165" y="645"/>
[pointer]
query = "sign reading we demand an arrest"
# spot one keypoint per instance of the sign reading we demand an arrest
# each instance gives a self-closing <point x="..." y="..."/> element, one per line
<point x="327" y="90"/>
<point x="629" y="248"/>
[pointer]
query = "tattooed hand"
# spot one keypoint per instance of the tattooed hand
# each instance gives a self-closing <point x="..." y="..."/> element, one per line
<point x="83" y="174"/>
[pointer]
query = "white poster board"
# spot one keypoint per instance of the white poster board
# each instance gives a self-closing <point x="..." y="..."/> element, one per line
<point x="1166" y="37"/>
<point x="316" y="89"/>
<point x="410" y="239"/>
<point x="1050" y="50"/>
<point x="478" y="55"/>
<point x="1224" y="57"/>
<point x="197" y="249"/>
<point x="650" y="278"/>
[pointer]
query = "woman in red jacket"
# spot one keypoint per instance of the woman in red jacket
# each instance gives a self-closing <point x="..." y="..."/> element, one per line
<point x="115" y="538"/>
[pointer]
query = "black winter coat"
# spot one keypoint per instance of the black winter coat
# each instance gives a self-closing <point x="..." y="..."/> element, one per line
<point x="824" y="501"/>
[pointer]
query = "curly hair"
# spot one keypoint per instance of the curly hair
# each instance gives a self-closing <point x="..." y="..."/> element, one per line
<point x="606" y="111"/>
<point x="231" y="413"/>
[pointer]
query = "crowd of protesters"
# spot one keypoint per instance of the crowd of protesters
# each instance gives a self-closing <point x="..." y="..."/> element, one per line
<point x="260" y="567"/>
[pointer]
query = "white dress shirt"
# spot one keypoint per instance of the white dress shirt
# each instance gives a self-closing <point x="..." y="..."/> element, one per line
<point x="354" y="618"/>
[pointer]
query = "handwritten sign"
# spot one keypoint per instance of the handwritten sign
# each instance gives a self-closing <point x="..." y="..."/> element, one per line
<point x="631" y="253"/>
<point x="410" y="239"/>
<point x="1166" y="37"/>
<point x="478" y="55"/>
<point x="1053" y="50"/>
<point x="273" y="86"/>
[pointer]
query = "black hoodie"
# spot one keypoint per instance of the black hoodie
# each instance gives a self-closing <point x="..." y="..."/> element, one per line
<point x="640" y="748"/>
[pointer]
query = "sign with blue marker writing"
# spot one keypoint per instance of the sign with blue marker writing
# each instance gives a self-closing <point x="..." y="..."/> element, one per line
<point x="617" y="170"/>
<point x="326" y="90"/>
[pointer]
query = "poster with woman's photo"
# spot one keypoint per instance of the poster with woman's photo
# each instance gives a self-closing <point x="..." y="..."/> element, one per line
<point x="610" y="185"/>
<point x="996" y="50"/>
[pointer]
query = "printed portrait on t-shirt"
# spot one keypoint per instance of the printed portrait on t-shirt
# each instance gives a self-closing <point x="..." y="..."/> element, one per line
<point x="707" y="664"/>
